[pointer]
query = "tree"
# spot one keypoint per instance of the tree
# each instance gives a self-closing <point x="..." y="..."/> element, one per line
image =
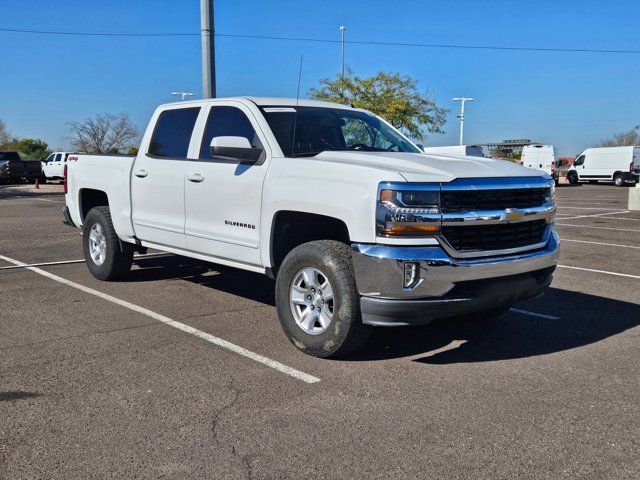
<point x="624" y="139"/>
<point x="6" y="139"/>
<point x="392" y="96"/>
<point x="106" y="133"/>
<point x="34" y="149"/>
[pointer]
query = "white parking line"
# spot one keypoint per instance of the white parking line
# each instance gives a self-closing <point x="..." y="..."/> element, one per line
<point x="599" y="243"/>
<point x="598" y="228"/>
<point x="597" y="214"/>
<point x="616" y="207"/>
<point x="61" y="262"/>
<point x="292" y="372"/>
<point x="625" y="219"/>
<point x="66" y="262"/>
<point x="46" y="200"/>
<point x="579" y="202"/>
<point x="600" y="271"/>
<point x="534" y="314"/>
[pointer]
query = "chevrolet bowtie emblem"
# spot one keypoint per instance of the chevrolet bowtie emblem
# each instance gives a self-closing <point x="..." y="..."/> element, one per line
<point x="512" y="215"/>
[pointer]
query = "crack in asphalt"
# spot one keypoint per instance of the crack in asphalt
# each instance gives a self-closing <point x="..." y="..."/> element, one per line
<point x="69" y="337"/>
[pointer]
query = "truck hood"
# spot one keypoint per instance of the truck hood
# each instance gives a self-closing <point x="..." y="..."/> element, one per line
<point x="418" y="167"/>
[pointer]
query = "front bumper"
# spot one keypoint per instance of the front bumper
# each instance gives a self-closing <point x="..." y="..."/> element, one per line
<point x="447" y="286"/>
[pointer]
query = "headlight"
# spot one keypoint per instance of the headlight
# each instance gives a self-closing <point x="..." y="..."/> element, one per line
<point x="551" y="196"/>
<point x="409" y="213"/>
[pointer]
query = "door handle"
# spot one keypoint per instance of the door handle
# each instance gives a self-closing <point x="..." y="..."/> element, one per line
<point x="141" y="173"/>
<point x="195" y="177"/>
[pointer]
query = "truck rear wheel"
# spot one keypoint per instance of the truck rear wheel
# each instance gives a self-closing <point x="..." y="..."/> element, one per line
<point x="618" y="179"/>
<point x="317" y="300"/>
<point x="107" y="257"/>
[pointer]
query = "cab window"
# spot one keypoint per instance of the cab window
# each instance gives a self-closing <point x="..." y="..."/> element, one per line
<point x="172" y="133"/>
<point x="579" y="161"/>
<point x="227" y="121"/>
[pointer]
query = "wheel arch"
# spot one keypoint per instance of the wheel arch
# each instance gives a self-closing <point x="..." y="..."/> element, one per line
<point x="89" y="198"/>
<point x="291" y="228"/>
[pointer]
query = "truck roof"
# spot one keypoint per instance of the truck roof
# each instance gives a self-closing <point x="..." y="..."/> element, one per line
<point x="270" y="101"/>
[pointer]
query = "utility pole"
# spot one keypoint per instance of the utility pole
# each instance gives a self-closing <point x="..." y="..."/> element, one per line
<point x="342" y="30"/>
<point x="462" y="101"/>
<point x="207" y="34"/>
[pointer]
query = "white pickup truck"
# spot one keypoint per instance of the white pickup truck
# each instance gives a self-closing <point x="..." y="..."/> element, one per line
<point x="358" y="226"/>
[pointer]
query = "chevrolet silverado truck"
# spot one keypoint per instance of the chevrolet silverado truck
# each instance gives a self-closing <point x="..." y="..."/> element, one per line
<point x="358" y="227"/>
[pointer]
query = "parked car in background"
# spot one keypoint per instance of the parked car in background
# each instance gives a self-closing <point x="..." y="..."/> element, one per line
<point x="541" y="157"/>
<point x="467" y="150"/>
<point x="53" y="166"/>
<point x="14" y="170"/>
<point x="620" y="165"/>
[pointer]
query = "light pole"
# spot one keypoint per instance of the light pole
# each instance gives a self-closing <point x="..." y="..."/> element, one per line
<point x="207" y="34"/>
<point x="342" y="30"/>
<point x="183" y="94"/>
<point x="462" y="101"/>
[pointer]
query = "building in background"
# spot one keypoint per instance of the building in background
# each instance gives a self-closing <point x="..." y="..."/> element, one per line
<point x="509" y="149"/>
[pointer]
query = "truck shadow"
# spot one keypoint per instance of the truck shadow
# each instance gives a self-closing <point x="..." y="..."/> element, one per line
<point x="583" y="319"/>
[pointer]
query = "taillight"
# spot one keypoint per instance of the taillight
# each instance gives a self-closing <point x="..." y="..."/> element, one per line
<point x="631" y="167"/>
<point x="64" y="182"/>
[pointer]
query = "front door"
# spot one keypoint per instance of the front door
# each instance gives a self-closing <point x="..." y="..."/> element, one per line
<point x="223" y="195"/>
<point x="157" y="181"/>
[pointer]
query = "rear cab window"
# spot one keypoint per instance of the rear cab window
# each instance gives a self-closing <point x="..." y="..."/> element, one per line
<point x="172" y="133"/>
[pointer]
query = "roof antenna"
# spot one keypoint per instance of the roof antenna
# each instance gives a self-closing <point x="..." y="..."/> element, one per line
<point x="295" y="118"/>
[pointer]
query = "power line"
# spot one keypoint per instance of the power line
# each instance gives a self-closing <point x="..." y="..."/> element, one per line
<point x="323" y="40"/>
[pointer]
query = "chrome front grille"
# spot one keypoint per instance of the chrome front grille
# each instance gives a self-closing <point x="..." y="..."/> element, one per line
<point x="488" y="217"/>
<point x="495" y="237"/>
<point x="475" y="200"/>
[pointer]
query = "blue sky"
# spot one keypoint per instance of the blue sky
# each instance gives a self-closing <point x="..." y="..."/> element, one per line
<point x="571" y="100"/>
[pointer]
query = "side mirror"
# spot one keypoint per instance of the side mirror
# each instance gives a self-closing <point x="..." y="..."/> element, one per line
<point x="237" y="148"/>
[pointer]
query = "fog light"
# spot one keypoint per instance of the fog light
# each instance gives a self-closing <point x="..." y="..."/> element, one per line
<point x="411" y="274"/>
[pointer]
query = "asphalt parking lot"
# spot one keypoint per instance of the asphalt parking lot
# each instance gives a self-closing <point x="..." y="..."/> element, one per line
<point x="96" y="381"/>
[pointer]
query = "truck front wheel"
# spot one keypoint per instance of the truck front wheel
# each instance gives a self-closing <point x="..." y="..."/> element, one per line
<point x="107" y="257"/>
<point x="572" y="177"/>
<point x="317" y="300"/>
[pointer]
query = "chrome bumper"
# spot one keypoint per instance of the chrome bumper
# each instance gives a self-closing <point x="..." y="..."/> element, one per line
<point x="379" y="272"/>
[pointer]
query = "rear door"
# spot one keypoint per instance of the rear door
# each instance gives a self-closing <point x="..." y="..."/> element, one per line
<point x="157" y="180"/>
<point x="223" y="195"/>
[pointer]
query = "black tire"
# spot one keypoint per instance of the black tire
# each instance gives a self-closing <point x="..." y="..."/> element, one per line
<point x="618" y="180"/>
<point x="346" y="332"/>
<point x="573" y="178"/>
<point x="118" y="255"/>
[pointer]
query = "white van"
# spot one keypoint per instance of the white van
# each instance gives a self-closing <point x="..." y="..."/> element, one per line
<point x="53" y="166"/>
<point x="618" y="164"/>
<point x="540" y="157"/>
<point x="468" y="150"/>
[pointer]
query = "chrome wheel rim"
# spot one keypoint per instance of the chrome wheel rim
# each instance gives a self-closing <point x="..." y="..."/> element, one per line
<point x="311" y="300"/>
<point x="97" y="244"/>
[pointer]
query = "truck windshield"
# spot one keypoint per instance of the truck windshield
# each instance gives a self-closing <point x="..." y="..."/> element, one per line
<point x="320" y="129"/>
